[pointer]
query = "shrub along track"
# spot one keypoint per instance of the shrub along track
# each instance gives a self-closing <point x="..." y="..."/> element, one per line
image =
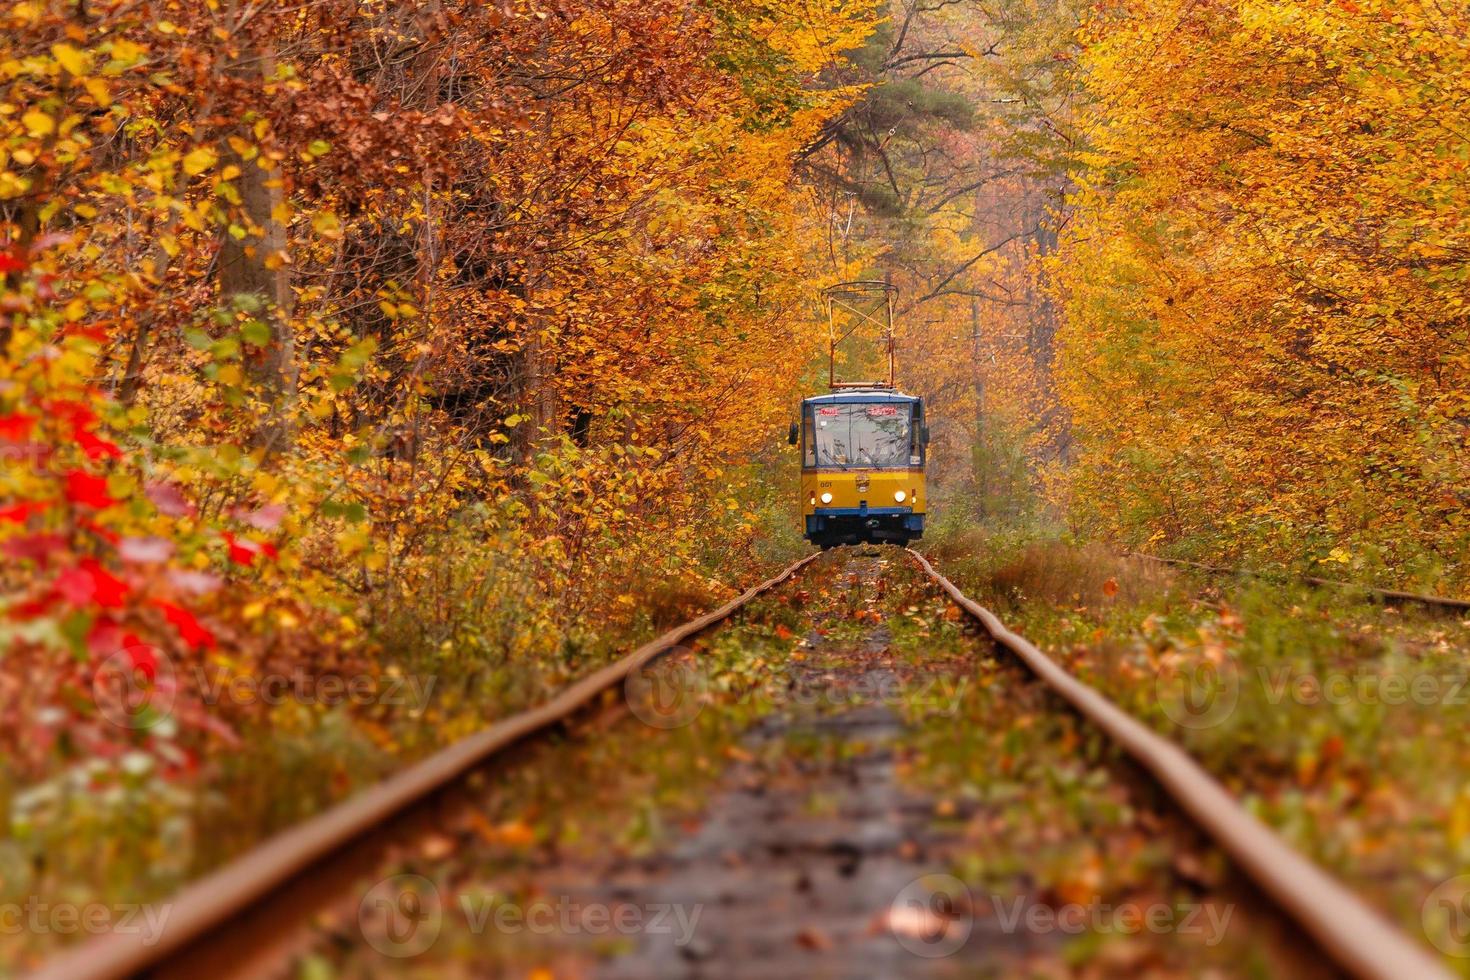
<point x="253" y="905"/>
<point x="1390" y="597"/>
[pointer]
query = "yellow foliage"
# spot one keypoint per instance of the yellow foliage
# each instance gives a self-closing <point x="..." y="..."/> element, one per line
<point x="1266" y="333"/>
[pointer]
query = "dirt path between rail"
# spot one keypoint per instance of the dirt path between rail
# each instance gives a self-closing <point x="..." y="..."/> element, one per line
<point x="813" y="857"/>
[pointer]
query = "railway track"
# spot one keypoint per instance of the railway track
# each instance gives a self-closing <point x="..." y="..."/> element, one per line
<point x="1354" y="937"/>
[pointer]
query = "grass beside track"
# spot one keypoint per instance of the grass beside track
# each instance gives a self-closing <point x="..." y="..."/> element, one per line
<point x="1341" y="722"/>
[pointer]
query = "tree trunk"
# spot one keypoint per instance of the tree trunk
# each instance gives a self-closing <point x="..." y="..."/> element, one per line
<point x="253" y="274"/>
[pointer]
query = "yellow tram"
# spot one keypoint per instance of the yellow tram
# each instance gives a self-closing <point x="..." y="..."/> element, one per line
<point x="863" y="446"/>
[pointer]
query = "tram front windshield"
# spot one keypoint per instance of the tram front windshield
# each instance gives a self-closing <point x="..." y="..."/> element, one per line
<point x="874" y="434"/>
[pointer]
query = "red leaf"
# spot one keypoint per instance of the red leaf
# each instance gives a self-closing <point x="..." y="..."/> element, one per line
<point x="267" y="518"/>
<point x="144" y="660"/>
<point x="49" y="239"/>
<point x="96" y="447"/>
<point x="36" y="547"/>
<point x="9" y="263"/>
<point x="195" y="583"/>
<point x="104" y="638"/>
<point x="91" y="584"/>
<point x="145" y="551"/>
<point x="30" y="610"/>
<point x="77" y="415"/>
<point x="87" y="490"/>
<point x="22" y="512"/>
<point x="110" y="592"/>
<point x="92" y="331"/>
<point x="15" y="426"/>
<point x="242" y="552"/>
<point x="169" y="499"/>
<point x="189" y="629"/>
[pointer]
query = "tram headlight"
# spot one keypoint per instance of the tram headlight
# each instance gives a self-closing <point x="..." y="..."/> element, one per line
<point x="900" y="496"/>
<point x="826" y="498"/>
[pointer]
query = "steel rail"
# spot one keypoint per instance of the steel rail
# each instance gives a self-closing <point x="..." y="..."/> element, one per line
<point x="1388" y="595"/>
<point x="1357" y="938"/>
<point x="217" y="897"/>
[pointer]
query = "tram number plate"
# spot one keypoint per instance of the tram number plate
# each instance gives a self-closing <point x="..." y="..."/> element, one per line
<point x="882" y="411"/>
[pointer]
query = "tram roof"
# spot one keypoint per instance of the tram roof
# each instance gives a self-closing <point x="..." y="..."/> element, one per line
<point x="862" y="396"/>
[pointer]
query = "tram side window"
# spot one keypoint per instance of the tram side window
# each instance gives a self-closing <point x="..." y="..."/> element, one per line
<point x="808" y="439"/>
<point x="916" y="437"/>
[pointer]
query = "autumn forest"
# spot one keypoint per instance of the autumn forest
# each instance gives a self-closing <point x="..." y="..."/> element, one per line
<point x="447" y="348"/>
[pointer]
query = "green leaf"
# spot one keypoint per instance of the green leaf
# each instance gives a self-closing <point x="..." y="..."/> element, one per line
<point x="199" y="161"/>
<point x="358" y="354"/>
<point x="255" y="332"/>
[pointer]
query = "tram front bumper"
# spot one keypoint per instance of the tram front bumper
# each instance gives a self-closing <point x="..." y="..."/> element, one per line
<point x="872" y="523"/>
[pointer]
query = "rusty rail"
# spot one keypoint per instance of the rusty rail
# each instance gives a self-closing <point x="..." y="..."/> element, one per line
<point x="1358" y="939"/>
<point x="1387" y="595"/>
<point x="225" y="893"/>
